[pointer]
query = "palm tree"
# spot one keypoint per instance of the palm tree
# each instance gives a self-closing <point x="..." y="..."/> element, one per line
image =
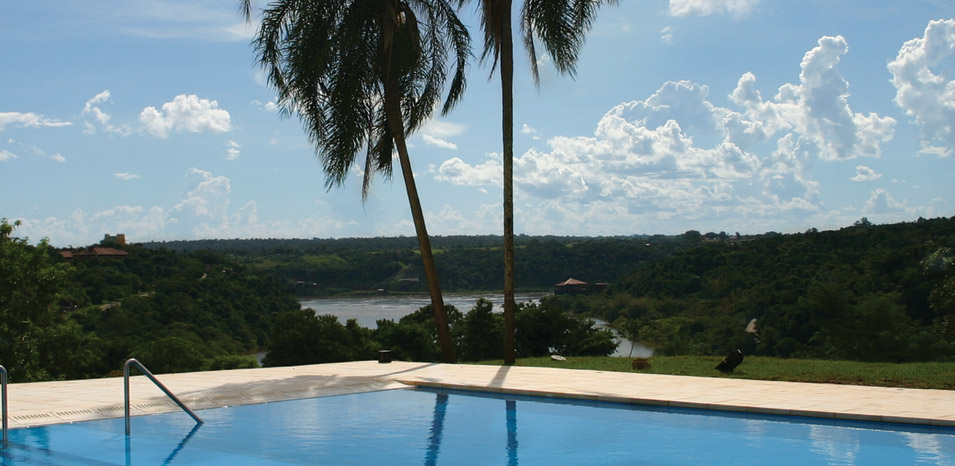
<point x="560" y="25"/>
<point x="364" y="74"/>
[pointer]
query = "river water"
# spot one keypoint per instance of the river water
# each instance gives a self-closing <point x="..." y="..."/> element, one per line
<point x="368" y="309"/>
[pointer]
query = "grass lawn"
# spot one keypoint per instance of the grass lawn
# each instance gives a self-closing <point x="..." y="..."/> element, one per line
<point x="937" y="375"/>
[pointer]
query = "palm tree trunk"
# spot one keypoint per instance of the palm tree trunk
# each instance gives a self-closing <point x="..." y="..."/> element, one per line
<point x="507" y="104"/>
<point x="396" y="126"/>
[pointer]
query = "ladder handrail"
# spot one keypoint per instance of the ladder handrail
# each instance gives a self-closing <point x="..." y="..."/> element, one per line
<point x="3" y="382"/>
<point x="142" y="368"/>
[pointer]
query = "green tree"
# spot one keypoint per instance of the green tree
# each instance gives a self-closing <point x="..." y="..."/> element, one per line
<point x="560" y="25"/>
<point x="301" y="337"/>
<point x="35" y="341"/>
<point x="366" y="73"/>
<point x="542" y="329"/>
<point x="481" y="333"/>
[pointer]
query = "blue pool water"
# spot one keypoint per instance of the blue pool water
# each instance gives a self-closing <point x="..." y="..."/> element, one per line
<point x="433" y="427"/>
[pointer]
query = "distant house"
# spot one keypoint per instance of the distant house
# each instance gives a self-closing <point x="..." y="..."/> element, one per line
<point x="94" y="253"/>
<point x="574" y="286"/>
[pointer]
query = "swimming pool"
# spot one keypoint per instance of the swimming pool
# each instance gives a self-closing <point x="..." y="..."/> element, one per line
<point x="423" y="426"/>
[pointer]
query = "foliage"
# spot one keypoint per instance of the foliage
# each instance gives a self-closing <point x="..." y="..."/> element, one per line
<point x="36" y="341"/>
<point x="301" y="337"/>
<point x="465" y="263"/>
<point x="480" y="333"/>
<point x="866" y="292"/>
<point x="151" y="296"/>
<point x="927" y="375"/>
<point x="364" y="75"/>
<point x="544" y="329"/>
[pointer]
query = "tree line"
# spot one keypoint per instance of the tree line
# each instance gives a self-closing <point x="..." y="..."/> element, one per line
<point x="173" y="311"/>
<point x="866" y="292"/>
<point x="202" y="310"/>
<point x="302" y="337"/>
<point x="324" y="267"/>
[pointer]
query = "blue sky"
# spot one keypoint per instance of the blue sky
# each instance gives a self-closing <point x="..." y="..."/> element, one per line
<point x="149" y="118"/>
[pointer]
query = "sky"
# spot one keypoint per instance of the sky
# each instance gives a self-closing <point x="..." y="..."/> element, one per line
<point x="151" y="118"/>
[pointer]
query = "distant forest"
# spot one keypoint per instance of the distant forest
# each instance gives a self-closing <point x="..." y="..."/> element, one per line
<point x="865" y="292"/>
<point x="465" y="263"/>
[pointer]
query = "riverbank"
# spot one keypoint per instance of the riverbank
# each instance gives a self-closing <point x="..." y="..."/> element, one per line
<point x="367" y="309"/>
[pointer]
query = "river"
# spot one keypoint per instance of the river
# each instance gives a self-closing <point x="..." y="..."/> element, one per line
<point x="368" y="309"/>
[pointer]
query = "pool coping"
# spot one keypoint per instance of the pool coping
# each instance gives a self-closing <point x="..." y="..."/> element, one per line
<point x="45" y="403"/>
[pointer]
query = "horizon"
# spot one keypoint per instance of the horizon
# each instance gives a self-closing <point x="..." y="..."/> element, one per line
<point x="518" y="235"/>
<point x="151" y="119"/>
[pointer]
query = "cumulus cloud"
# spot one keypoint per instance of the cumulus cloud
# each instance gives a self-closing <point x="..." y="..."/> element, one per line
<point x="816" y="109"/>
<point x="204" y="211"/>
<point x="29" y="120"/>
<point x="678" y="155"/>
<point x="456" y="171"/>
<point x="923" y="74"/>
<point x="881" y="202"/>
<point x="864" y="173"/>
<point x="736" y="8"/>
<point x="186" y="113"/>
<point x="93" y="108"/>
<point x="206" y="196"/>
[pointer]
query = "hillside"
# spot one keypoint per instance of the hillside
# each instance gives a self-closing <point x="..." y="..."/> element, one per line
<point x="465" y="263"/>
<point x="865" y="292"/>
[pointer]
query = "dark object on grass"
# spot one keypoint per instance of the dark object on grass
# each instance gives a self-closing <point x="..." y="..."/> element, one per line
<point x="640" y="364"/>
<point x="730" y="362"/>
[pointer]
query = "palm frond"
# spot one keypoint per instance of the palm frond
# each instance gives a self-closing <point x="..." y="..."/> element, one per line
<point x="329" y="62"/>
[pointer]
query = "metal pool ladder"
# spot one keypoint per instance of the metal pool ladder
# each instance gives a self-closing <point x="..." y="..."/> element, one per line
<point x="129" y="362"/>
<point x="3" y="382"/>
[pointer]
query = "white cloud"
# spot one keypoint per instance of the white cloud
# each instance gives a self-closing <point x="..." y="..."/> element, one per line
<point x="456" y="171"/>
<point x="203" y="212"/>
<point x="232" y="150"/>
<point x="433" y="141"/>
<point x="881" y="202"/>
<point x="817" y="109"/>
<point x="186" y="113"/>
<point x="26" y="148"/>
<point x="92" y="107"/>
<point x="666" y="35"/>
<point x="676" y="155"/>
<point x="29" y="120"/>
<point x="736" y="8"/>
<point x="178" y="19"/>
<point x="206" y="196"/>
<point x="269" y="106"/>
<point x="126" y="176"/>
<point x="923" y="74"/>
<point x="864" y="173"/>
<point x="437" y="132"/>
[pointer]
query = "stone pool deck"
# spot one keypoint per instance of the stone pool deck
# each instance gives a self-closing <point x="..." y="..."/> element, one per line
<point x="43" y="403"/>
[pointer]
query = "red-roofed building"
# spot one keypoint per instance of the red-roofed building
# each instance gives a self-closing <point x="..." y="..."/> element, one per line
<point x="94" y="252"/>
<point x="574" y="286"/>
